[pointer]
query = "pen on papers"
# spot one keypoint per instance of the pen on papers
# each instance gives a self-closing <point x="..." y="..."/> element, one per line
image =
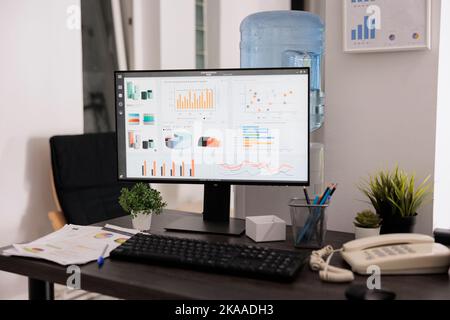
<point x="100" y="259"/>
<point x="308" y="201"/>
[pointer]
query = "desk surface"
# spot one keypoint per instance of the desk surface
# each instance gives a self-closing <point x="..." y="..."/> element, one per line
<point x="140" y="281"/>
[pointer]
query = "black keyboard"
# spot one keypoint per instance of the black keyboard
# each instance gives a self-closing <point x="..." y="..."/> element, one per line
<point x="241" y="260"/>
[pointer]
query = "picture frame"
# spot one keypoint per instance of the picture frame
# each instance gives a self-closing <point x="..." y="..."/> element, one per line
<point x="386" y="25"/>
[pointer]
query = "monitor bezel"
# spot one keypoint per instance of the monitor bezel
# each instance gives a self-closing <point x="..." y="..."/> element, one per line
<point x="119" y="152"/>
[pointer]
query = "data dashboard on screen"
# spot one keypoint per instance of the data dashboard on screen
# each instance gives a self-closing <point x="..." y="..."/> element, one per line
<point x="237" y="125"/>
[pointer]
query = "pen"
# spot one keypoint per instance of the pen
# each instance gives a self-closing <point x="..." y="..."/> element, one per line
<point x="308" y="201"/>
<point x="332" y="191"/>
<point x="325" y="197"/>
<point x="328" y="194"/>
<point x="100" y="259"/>
<point x="325" y="194"/>
<point x="316" y="200"/>
<point x="308" y="222"/>
<point x="306" y="229"/>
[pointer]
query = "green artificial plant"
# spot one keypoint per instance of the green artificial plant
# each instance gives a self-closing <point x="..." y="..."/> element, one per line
<point x="141" y="198"/>
<point x="394" y="193"/>
<point x="367" y="219"/>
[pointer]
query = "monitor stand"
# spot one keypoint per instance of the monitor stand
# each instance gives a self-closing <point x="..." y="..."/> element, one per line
<point x="216" y="214"/>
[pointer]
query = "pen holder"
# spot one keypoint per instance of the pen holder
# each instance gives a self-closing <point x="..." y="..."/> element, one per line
<point x="309" y="224"/>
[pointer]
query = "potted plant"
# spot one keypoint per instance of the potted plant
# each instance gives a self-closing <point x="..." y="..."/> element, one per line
<point x="367" y="224"/>
<point x="141" y="202"/>
<point x="396" y="198"/>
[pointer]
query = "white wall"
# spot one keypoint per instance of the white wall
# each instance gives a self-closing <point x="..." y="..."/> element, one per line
<point x="177" y="34"/>
<point x="164" y="34"/>
<point x="380" y="111"/>
<point x="41" y="95"/>
<point x="223" y="19"/>
<point x="442" y="168"/>
<point x="146" y="36"/>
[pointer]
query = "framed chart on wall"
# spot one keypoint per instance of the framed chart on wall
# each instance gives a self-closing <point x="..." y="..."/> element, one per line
<point x="386" y="25"/>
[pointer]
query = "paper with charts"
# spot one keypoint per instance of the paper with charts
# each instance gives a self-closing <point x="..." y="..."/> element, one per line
<point x="73" y="244"/>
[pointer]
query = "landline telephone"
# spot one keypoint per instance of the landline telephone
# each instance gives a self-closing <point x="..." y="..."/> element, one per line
<point x="392" y="253"/>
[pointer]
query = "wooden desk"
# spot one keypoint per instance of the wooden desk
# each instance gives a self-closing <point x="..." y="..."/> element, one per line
<point x="140" y="281"/>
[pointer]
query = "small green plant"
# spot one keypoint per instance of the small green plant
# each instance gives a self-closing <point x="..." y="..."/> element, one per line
<point x="141" y="198"/>
<point x="367" y="219"/>
<point x="393" y="193"/>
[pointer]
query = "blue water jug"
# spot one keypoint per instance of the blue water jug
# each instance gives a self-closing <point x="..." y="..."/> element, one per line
<point x="287" y="39"/>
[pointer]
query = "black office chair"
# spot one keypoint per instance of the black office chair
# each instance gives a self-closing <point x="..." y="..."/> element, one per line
<point x="84" y="170"/>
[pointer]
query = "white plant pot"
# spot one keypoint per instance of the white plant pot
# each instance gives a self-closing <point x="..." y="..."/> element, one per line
<point x="366" y="232"/>
<point x="142" y="221"/>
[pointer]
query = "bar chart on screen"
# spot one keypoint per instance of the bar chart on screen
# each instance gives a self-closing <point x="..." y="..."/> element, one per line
<point x="154" y="168"/>
<point x="194" y="99"/>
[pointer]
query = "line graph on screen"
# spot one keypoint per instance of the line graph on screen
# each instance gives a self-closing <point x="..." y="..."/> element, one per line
<point x="256" y="168"/>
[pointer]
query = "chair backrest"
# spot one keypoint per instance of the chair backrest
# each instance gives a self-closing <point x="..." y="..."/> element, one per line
<point x="85" y="176"/>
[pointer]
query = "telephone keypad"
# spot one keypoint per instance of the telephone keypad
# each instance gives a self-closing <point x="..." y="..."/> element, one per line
<point x="408" y="248"/>
<point x="388" y="251"/>
<point x="399" y="250"/>
<point x="368" y="255"/>
<point x="379" y="253"/>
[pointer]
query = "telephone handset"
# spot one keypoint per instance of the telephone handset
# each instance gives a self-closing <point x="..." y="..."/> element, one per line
<point x="397" y="254"/>
<point x="392" y="253"/>
<point x="387" y="239"/>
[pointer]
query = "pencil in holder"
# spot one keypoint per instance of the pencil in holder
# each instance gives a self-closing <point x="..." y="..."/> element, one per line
<point x="309" y="223"/>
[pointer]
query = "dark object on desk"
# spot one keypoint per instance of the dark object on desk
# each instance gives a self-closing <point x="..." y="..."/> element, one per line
<point x="361" y="292"/>
<point x="241" y="260"/>
<point x="442" y="236"/>
<point x="216" y="214"/>
<point x="234" y="227"/>
<point x="85" y="177"/>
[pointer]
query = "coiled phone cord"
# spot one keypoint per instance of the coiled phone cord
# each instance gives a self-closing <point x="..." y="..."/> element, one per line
<point x="326" y="272"/>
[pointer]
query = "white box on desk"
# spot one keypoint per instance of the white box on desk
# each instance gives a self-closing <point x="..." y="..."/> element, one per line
<point x="265" y="228"/>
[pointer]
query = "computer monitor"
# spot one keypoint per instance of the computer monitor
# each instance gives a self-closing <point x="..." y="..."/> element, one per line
<point x="215" y="127"/>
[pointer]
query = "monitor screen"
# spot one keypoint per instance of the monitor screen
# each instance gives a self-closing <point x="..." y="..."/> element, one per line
<point x="241" y="126"/>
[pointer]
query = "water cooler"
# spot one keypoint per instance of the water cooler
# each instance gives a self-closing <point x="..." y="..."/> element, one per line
<point x="285" y="39"/>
